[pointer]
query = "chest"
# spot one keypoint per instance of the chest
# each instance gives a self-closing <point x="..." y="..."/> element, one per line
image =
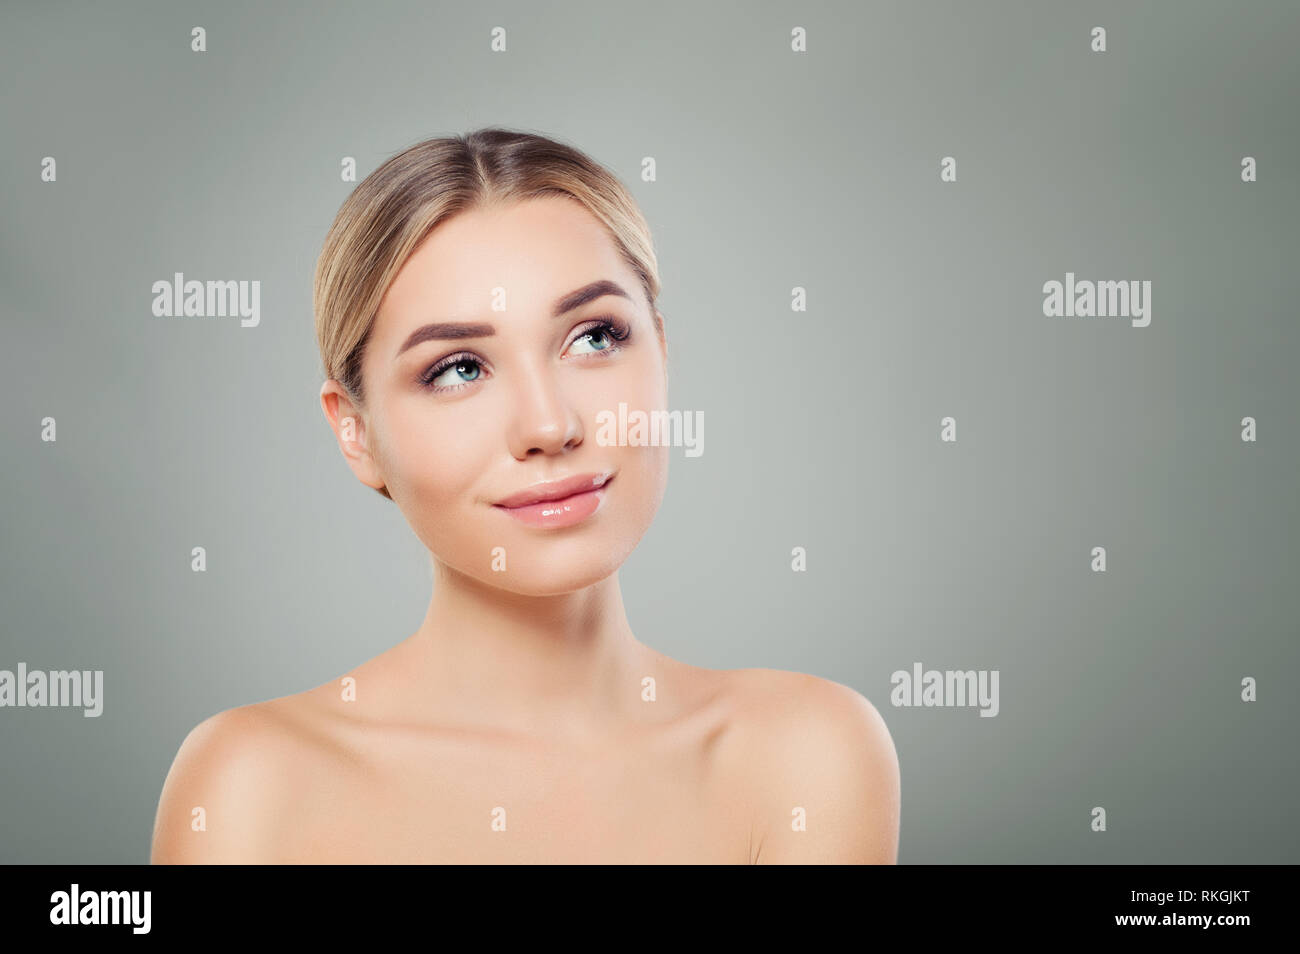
<point x="473" y="801"/>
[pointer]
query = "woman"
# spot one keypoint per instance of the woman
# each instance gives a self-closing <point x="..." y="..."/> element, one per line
<point x="480" y="301"/>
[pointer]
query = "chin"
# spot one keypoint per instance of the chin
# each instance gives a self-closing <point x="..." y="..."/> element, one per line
<point x="537" y="572"/>
<point x="550" y="584"/>
<point x="551" y="567"/>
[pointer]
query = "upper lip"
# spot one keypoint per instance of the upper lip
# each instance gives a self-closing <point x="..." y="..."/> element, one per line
<point x="556" y="489"/>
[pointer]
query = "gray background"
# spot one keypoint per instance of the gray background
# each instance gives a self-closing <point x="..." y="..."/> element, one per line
<point x="822" y="428"/>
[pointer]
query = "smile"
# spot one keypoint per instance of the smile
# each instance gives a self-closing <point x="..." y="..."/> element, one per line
<point x="558" y="504"/>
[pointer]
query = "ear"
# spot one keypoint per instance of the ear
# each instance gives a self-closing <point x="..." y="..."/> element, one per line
<point x="349" y="426"/>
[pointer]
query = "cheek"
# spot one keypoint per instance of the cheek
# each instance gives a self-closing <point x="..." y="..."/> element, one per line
<point x="639" y="383"/>
<point x="643" y="470"/>
<point x="433" y="460"/>
<point x="648" y="468"/>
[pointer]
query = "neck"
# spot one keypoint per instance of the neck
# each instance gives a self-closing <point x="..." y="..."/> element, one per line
<point x="541" y="664"/>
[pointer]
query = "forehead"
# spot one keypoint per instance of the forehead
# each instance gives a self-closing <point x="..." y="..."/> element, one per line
<point x="536" y="250"/>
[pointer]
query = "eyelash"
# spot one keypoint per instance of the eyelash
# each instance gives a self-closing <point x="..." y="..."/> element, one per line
<point x="614" y="329"/>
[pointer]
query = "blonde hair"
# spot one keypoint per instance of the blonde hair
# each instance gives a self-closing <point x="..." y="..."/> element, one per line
<point x="386" y="217"/>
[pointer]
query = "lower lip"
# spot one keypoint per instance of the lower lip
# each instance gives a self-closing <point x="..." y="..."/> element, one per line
<point x="552" y="514"/>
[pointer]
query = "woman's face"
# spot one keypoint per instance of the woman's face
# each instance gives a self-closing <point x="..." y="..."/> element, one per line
<point x="485" y="376"/>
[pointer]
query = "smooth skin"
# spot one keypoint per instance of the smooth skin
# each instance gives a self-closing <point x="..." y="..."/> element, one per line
<point x="515" y="724"/>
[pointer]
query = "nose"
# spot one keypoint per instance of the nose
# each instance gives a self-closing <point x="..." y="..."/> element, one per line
<point x="544" y="421"/>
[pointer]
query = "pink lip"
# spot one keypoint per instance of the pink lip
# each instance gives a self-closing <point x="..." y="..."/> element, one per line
<point x="558" y="503"/>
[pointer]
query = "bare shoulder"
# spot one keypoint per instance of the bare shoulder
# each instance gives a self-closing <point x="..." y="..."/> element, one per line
<point x="823" y="772"/>
<point x="232" y="783"/>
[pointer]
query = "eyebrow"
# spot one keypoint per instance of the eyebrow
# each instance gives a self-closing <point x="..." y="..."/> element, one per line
<point x="450" y="330"/>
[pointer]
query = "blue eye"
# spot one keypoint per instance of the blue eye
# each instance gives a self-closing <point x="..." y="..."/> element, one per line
<point x="592" y="337"/>
<point x="459" y="370"/>
<point x="605" y="331"/>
